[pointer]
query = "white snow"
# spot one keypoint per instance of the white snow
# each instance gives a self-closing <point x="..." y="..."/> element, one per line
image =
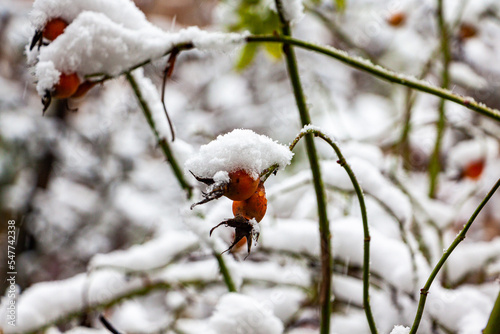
<point x="275" y="273"/>
<point x="151" y="255"/>
<point x="240" y="314"/>
<point x="389" y="258"/>
<point x="464" y="75"/>
<point x="372" y="182"/>
<point x="48" y="76"/>
<point x="400" y="330"/>
<point x="123" y="12"/>
<point x="44" y="302"/>
<point x="471" y="257"/>
<point x="98" y="42"/>
<point x="239" y="149"/>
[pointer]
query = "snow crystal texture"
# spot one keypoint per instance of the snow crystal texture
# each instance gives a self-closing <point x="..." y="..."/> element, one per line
<point x="239" y="149"/>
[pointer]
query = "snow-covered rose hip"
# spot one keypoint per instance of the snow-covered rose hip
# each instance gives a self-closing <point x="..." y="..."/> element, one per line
<point x="232" y="166"/>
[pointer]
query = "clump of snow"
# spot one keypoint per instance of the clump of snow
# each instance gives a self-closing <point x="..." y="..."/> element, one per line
<point x="400" y="330"/>
<point x="48" y="76"/>
<point x="93" y="43"/>
<point x="236" y="150"/>
<point x="110" y="39"/>
<point x="221" y="177"/>
<point x="236" y="313"/>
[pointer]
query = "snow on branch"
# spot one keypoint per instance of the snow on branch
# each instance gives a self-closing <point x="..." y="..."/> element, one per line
<point x="152" y="255"/>
<point x="109" y="39"/>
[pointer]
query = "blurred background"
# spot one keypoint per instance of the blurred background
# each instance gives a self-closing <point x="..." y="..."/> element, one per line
<point x="88" y="178"/>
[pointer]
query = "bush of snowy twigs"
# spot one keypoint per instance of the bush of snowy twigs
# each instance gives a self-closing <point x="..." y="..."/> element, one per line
<point x="363" y="228"/>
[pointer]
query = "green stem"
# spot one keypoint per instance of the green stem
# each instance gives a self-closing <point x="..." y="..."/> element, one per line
<point x="324" y="225"/>
<point x="410" y="97"/>
<point x="231" y="287"/>
<point x="461" y="236"/>
<point x="435" y="163"/>
<point x="176" y="169"/>
<point x="493" y="325"/>
<point x="165" y="147"/>
<point x="366" y="231"/>
<point x="381" y="72"/>
<point x="356" y="62"/>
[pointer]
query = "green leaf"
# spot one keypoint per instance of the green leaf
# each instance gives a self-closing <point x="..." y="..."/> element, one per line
<point x="340" y="5"/>
<point x="246" y="56"/>
<point x="274" y="49"/>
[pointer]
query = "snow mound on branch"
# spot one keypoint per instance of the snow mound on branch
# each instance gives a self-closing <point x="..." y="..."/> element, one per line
<point x="151" y="255"/>
<point x="236" y="313"/>
<point x="239" y="149"/>
<point x="100" y="40"/>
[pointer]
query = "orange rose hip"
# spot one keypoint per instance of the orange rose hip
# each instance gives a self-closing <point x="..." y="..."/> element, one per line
<point x="241" y="186"/>
<point x="54" y="28"/>
<point x="253" y="207"/>
<point x="68" y="85"/>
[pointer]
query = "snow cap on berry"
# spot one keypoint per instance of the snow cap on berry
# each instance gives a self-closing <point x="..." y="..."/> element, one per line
<point x="240" y="149"/>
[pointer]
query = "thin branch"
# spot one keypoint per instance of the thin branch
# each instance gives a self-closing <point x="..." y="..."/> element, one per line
<point x="356" y="62"/>
<point x="325" y="291"/>
<point x="366" y="231"/>
<point x="410" y="98"/>
<point x="161" y="141"/>
<point x="461" y="236"/>
<point x="435" y="163"/>
<point x="381" y="72"/>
